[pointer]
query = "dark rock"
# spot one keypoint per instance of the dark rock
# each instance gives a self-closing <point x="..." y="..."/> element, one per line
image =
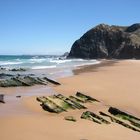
<point x="52" y="81"/>
<point x="41" y="81"/>
<point x="50" y="106"/>
<point x="65" y="54"/>
<point x="116" y="111"/>
<point x="86" y="97"/>
<point x="17" y="80"/>
<point x="1" y="68"/>
<point x="34" y="80"/>
<point x="18" y="96"/>
<point x="53" y="98"/>
<point x="58" y="103"/>
<point x="4" y="75"/>
<point x="10" y="83"/>
<point x="31" y="74"/>
<point x="113" y="119"/>
<point x="2" y="98"/>
<point x="106" y="41"/>
<point x="41" y="99"/>
<point x="76" y="99"/>
<point x="20" y="80"/>
<point x="133" y="27"/>
<point x="94" y="117"/>
<point x="72" y="103"/>
<point x="66" y="100"/>
<point x="125" y="116"/>
<point x="18" y="69"/>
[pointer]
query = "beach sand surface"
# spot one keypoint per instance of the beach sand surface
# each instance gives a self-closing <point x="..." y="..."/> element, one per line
<point x="114" y="85"/>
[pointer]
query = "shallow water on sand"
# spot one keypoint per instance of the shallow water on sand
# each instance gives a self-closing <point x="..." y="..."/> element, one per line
<point x="13" y="104"/>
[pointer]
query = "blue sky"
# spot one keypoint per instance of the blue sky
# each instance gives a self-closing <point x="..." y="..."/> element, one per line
<point x="51" y="26"/>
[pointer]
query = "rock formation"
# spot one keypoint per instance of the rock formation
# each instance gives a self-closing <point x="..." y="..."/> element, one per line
<point x="108" y="42"/>
<point x="60" y="103"/>
<point x="20" y="80"/>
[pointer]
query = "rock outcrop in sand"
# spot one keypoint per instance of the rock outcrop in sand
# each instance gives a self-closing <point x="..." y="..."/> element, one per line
<point x="20" y="80"/>
<point x="106" y="41"/>
<point x="60" y="103"/>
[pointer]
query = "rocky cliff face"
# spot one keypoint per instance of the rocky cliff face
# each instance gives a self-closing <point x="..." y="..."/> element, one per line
<point x="106" y="41"/>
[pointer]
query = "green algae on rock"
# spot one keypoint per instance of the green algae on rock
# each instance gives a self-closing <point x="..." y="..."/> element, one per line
<point x="125" y="116"/>
<point x="113" y="119"/>
<point x="94" y="117"/>
<point x="86" y="98"/>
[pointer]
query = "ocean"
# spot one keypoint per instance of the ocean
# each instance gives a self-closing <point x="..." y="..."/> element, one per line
<point x="53" y="65"/>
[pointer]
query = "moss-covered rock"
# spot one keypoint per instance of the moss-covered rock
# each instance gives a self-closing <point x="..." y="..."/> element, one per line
<point x="125" y="116"/>
<point x="73" y="104"/>
<point x="113" y="119"/>
<point x="60" y="102"/>
<point x="76" y="99"/>
<point x="7" y="80"/>
<point x="41" y="99"/>
<point x="86" y="98"/>
<point x="18" y="69"/>
<point x="51" y="81"/>
<point x="94" y="117"/>
<point x="50" y="106"/>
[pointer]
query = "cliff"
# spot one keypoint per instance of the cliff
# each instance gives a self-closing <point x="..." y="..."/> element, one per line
<point x="104" y="41"/>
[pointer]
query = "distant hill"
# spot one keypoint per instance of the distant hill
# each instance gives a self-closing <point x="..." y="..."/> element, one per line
<point x="104" y="41"/>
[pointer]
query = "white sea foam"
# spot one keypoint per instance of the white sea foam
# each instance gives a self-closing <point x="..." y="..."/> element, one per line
<point x="60" y="61"/>
<point x="89" y="63"/>
<point x="10" y="63"/>
<point x="36" y="60"/>
<point x="43" y="67"/>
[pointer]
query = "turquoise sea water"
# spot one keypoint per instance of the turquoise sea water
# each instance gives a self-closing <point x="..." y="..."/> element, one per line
<point x="41" y="61"/>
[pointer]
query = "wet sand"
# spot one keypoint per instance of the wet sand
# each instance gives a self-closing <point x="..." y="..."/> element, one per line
<point x="114" y="84"/>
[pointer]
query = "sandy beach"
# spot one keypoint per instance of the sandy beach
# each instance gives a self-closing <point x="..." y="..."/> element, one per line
<point x="113" y="84"/>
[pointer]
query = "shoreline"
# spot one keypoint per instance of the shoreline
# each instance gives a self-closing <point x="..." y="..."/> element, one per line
<point x="113" y="84"/>
<point x="95" y="67"/>
<point x="14" y="103"/>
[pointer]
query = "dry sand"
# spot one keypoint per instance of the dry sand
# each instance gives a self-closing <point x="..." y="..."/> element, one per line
<point x="114" y="85"/>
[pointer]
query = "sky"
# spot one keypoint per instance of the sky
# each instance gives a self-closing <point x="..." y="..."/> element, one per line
<point x="52" y="26"/>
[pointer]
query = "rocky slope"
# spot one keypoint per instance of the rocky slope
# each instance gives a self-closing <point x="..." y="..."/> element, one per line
<point x="106" y="41"/>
